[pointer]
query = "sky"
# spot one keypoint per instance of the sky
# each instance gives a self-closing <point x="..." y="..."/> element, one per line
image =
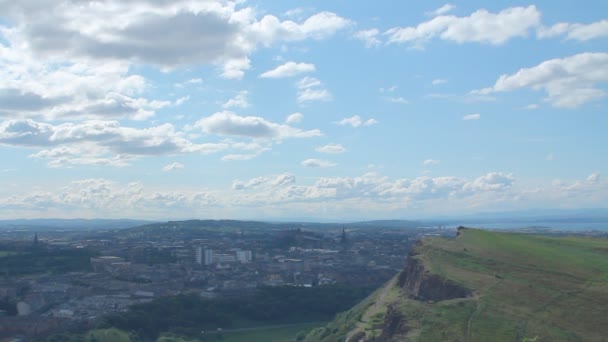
<point x="280" y="110"/>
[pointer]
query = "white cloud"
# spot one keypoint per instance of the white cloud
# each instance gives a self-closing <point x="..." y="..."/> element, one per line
<point x="289" y="69"/>
<point x="318" y="163"/>
<point x="580" y="32"/>
<point x="311" y="89"/>
<point x="294" y="118"/>
<point x="369" y="37"/>
<point x="532" y="106"/>
<point x="98" y="142"/>
<point x="239" y="101"/>
<point x="356" y="121"/>
<point x="569" y="82"/>
<point x="471" y="117"/>
<point x="165" y="34"/>
<point x="265" y="182"/>
<point x="181" y="100"/>
<point x="331" y="149"/>
<point x="399" y="100"/>
<point x="481" y="26"/>
<point x="378" y="195"/>
<point x="431" y="162"/>
<point x="439" y="81"/>
<point x="389" y="89"/>
<point x="550" y="157"/>
<point x="231" y="124"/>
<point x="173" y="166"/>
<point x="442" y="10"/>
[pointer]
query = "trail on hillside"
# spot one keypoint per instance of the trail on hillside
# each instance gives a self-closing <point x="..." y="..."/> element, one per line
<point x="372" y="309"/>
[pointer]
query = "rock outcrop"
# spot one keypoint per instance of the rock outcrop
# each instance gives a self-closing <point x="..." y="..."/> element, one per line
<point x="423" y="285"/>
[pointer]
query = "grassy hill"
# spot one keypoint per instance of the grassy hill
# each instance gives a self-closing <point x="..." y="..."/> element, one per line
<point x="487" y="286"/>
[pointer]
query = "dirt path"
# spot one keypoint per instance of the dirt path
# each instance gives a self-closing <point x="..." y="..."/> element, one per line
<point x="378" y="305"/>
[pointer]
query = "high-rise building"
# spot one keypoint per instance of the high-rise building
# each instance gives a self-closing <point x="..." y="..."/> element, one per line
<point x="244" y="256"/>
<point x="208" y="256"/>
<point x="203" y="256"/>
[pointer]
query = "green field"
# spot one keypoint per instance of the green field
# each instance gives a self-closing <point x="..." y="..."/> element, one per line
<point x="523" y="286"/>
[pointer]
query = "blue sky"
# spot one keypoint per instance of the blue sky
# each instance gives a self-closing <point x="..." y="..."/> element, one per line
<point x="277" y="110"/>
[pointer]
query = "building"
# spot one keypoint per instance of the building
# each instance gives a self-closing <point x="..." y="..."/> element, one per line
<point x="104" y="263"/>
<point x="204" y="256"/>
<point x="244" y="256"/>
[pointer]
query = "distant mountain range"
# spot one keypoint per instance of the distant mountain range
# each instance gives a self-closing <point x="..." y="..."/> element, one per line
<point x="70" y="224"/>
<point x="524" y="216"/>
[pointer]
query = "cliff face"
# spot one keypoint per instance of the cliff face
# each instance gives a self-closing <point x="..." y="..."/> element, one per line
<point x="425" y="286"/>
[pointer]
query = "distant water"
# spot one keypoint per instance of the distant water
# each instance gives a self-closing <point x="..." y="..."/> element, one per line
<point x="560" y="226"/>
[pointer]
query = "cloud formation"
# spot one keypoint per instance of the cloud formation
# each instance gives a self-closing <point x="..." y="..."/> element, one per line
<point x="230" y="124"/>
<point x="289" y="69"/>
<point x="481" y="26"/>
<point x="569" y="82"/>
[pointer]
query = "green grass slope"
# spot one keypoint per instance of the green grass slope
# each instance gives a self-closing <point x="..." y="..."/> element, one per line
<point x="524" y="286"/>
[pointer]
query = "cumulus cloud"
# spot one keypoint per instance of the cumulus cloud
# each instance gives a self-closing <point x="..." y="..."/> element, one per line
<point x="471" y="117"/>
<point x="231" y="124"/>
<point x="331" y="149"/>
<point x="356" y="121"/>
<point x="481" y="26"/>
<point x="239" y="101"/>
<point x="575" y="31"/>
<point x="98" y="142"/>
<point x="294" y="118"/>
<point x="165" y="34"/>
<point x="311" y="89"/>
<point x="173" y="167"/>
<point x="271" y="181"/>
<point x="318" y="163"/>
<point x="369" y="37"/>
<point x="289" y="69"/>
<point x="371" y="192"/>
<point x="569" y="82"/>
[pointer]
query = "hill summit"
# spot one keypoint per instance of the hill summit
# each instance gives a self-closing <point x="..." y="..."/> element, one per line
<point x="487" y="286"/>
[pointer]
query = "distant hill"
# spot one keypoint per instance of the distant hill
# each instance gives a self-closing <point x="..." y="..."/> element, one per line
<point x="487" y="286"/>
<point x="70" y="224"/>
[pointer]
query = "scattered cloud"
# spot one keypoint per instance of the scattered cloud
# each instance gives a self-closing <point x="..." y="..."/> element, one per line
<point x="289" y="69"/>
<point x="389" y="89"/>
<point x="356" y="121"/>
<point x="281" y="180"/>
<point x="399" y="100"/>
<point x="439" y="81"/>
<point x="239" y="101"/>
<point x="98" y="142"/>
<point x="431" y="162"/>
<point x="532" y="106"/>
<point x="318" y="163"/>
<point x="294" y="118"/>
<point x="471" y="117"/>
<point x="569" y="82"/>
<point x="442" y="10"/>
<point x="481" y="27"/>
<point x="311" y="89"/>
<point x="576" y="31"/>
<point x="216" y="32"/>
<point x="230" y="124"/>
<point x="369" y="37"/>
<point x="550" y="157"/>
<point x="331" y="149"/>
<point x="181" y="100"/>
<point x="173" y="167"/>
